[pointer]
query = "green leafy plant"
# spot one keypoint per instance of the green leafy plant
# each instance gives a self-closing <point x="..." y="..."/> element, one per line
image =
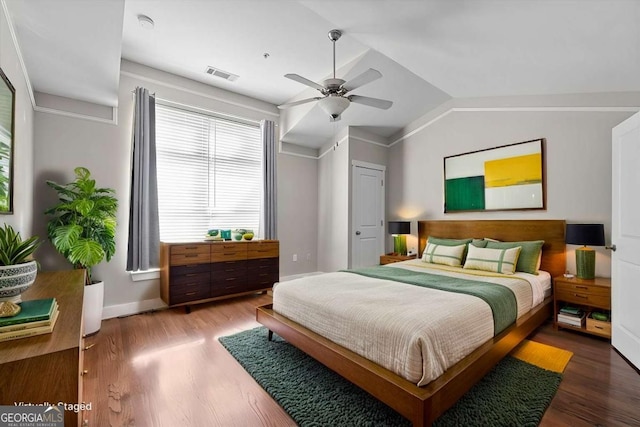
<point x="14" y="250"/>
<point x="83" y="224"/>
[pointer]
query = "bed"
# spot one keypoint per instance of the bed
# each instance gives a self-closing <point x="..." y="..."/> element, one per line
<point x="424" y="397"/>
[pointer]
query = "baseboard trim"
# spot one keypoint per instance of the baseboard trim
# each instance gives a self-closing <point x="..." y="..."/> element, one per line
<point x="298" y="276"/>
<point x="119" y="310"/>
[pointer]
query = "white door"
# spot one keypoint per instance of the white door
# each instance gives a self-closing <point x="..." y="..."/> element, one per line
<point x="625" y="234"/>
<point x="367" y="206"/>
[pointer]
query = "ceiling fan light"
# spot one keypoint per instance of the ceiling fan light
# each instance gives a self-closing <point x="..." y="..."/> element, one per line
<point x="334" y="105"/>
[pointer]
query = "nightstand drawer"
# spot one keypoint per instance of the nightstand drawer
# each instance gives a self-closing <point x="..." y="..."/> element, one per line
<point x="582" y="288"/>
<point x="577" y="297"/>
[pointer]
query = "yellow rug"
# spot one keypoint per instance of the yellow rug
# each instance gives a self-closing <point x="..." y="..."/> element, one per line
<point x="542" y="355"/>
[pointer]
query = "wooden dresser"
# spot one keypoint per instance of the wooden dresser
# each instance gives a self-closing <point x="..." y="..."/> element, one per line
<point x="48" y="368"/>
<point x="198" y="272"/>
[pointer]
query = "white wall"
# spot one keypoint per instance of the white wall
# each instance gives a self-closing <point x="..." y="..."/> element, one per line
<point x="577" y="152"/>
<point x="62" y="143"/>
<point x="21" y="218"/>
<point x="297" y="214"/>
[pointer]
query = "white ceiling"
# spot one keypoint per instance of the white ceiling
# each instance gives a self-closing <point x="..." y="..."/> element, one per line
<point x="427" y="50"/>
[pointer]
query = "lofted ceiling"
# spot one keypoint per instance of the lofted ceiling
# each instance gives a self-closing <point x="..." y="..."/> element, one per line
<point x="428" y="51"/>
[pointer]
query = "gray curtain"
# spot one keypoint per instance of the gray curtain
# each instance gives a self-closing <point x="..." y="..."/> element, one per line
<point x="269" y="203"/>
<point x="144" y="229"/>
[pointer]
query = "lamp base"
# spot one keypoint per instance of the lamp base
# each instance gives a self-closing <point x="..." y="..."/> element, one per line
<point x="400" y="244"/>
<point x="585" y="263"/>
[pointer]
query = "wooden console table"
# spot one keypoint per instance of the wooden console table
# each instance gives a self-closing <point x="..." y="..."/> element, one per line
<point x="48" y="368"/>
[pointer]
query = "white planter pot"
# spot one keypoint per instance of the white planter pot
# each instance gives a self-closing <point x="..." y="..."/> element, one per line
<point x="92" y="307"/>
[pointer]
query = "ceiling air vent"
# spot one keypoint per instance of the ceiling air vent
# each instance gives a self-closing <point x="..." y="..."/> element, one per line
<point x="222" y="74"/>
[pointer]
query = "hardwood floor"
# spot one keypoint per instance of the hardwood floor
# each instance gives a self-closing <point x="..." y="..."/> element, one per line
<point x="167" y="368"/>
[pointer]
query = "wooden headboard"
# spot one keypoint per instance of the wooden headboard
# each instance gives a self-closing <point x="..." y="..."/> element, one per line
<point x="551" y="231"/>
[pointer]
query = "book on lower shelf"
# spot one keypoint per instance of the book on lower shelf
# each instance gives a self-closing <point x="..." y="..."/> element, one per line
<point x="572" y="320"/>
<point x="36" y="317"/>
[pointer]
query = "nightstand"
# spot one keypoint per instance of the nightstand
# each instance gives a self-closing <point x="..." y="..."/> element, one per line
<point x="391" y="258"/>
<point x="586" y="294"/>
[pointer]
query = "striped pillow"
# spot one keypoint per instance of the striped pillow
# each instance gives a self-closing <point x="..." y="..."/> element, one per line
<point x="496" y="260"/>
<point x="442" y="254"/>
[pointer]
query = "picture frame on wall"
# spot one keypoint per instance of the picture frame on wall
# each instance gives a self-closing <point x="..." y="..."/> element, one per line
<point x="508" y="177"/>
<point x="7" y="107"/>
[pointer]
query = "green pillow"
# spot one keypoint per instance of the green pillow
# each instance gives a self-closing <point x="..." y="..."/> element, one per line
<point x="528" y="259"/>
<point x="448" y="242"/>
<point x="479" y="243"/>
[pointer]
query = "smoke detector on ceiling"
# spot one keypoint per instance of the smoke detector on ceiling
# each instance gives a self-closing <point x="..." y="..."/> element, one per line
<point x="222" y="74"/>
<point x="145" y="22"/>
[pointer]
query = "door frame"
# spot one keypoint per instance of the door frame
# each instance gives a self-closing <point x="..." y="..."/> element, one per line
<point x="352" y="223"/>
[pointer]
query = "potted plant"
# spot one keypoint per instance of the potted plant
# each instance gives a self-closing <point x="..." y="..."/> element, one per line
<point x="18" y="270"/>
<point x="83" y="229"/>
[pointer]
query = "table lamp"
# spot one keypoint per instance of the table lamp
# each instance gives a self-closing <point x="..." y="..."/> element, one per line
<point x="585" y="234"/>
<point x="398" y="229"/>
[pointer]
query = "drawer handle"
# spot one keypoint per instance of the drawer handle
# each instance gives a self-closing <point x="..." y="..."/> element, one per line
<point x="230" y="270"/>
<point x="264" y="274"/>
<point x="230" y="279"/>
<point x="191" y="255"/>
<point x="85" y="372"/>
<point x="598" y="327"/>
<point x="190" y="293"/>
<point x="89" y="346"/>
<point x="191" y="247"/>
<point x="581" y="287"/>
<point x="191" y="274"/>
<point x="581" y="296"/>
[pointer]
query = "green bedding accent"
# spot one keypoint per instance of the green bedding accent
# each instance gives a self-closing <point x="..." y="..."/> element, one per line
<point x="500" y="298"/>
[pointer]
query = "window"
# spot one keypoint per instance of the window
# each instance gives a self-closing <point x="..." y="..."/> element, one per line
<point x="209" y="173"/>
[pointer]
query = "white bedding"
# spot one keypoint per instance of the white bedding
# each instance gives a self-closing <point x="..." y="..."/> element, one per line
<point x="415" y="332"/>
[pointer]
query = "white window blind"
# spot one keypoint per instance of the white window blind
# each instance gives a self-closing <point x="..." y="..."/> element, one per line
<point x="209" y="173"/>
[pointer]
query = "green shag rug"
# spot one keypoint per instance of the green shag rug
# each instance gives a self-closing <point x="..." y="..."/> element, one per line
<point x="514" y="393"/>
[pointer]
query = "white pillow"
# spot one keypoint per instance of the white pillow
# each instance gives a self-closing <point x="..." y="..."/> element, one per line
<point x="447" y="255"/>
<point x="496" y="260"/>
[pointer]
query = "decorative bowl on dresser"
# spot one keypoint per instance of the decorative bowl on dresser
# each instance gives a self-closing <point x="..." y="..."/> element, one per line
<point x="192" y="273"/>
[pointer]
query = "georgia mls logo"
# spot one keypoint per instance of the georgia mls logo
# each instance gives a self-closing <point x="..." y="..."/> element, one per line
<point x="31" y="416"/>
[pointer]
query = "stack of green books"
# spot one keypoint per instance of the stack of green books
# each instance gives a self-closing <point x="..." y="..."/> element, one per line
<point x="36" y="317"/>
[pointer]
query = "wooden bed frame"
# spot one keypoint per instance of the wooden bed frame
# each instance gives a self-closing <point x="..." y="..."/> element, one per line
<point x="422" y="405"/>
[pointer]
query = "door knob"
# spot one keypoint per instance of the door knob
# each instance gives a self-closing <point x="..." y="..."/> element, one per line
<point x="357" y="233"/>
<point x="612" y="247"/>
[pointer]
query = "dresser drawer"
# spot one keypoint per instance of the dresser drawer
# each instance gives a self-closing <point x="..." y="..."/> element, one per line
<point x="228" y="285"/>
<point x="262" y="280"/>
<point x="228" y="265"/>
<point x="578" y="297"/>
<point x="189" y="292"/>
<point x="263" y="250"/>
<point x="189" y="258"/>
<point x="193" y="248"/>
<point x="191" y="278"/>
<point x="228" y="252"/>
<point x="182" y="270"/>
<point x="263" y="263"/>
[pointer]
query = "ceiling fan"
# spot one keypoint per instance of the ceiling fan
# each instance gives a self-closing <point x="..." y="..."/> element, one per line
<point x="335" y="92"/>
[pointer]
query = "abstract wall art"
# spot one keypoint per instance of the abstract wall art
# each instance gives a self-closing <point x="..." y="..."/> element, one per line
<point x="508" y="177"/>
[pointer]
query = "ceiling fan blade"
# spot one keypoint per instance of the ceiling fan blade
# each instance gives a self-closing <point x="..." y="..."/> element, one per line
<point x="300" y="79"/>
<point x="302" y="101"/>
<point x="362" y="79"/>
<point x="371" y="102"/>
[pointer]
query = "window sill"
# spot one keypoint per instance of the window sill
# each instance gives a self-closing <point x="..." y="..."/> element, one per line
<point x="140" y="275"/>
